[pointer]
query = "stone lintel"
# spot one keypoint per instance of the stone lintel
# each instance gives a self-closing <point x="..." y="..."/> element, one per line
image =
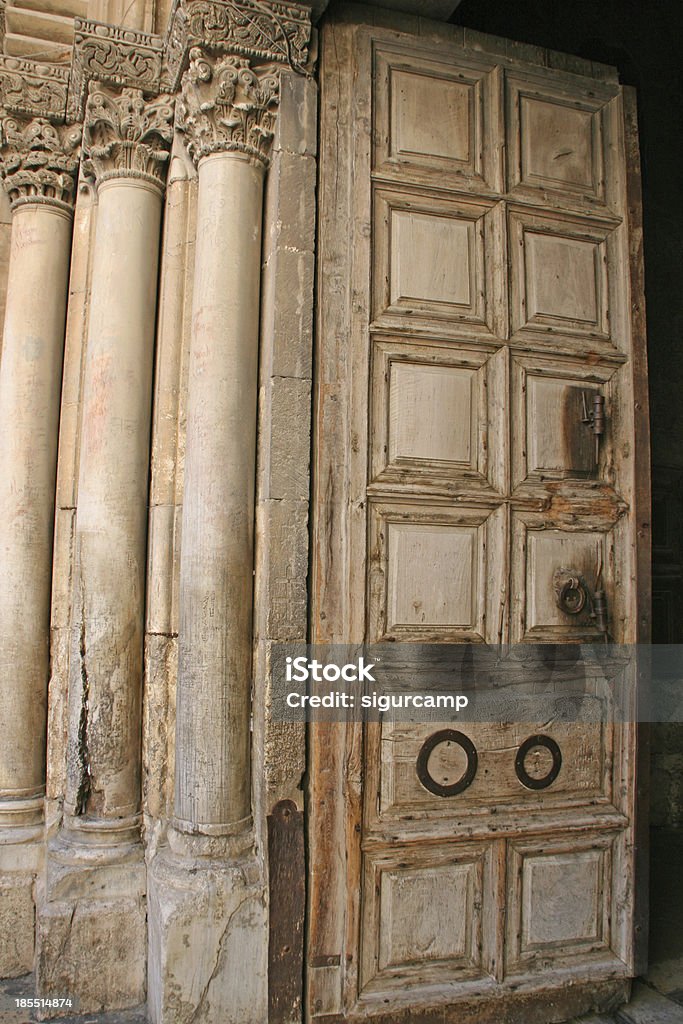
<point x="112" y="55"/>
<point x="32" y="88"/>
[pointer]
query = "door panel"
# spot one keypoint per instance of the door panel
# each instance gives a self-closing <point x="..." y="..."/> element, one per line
<point x="474" y="440"/>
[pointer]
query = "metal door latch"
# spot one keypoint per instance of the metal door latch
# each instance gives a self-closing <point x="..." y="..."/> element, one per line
<point x="573" y="595"/>
<point x="595" y="418"/>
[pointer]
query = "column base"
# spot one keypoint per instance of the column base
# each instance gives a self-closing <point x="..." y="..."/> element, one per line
<point x="208" y="936"/>
<point x="21" y="857"/>
<point x="91" y="935"/>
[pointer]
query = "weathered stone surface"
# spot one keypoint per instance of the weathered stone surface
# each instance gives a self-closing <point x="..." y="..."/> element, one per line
<point x="158" y="724"/>
<point x="290" y="437"/>
<point x="649" y="1007"/>
<point x="283" y="527"/>
<point x="292" y="224"/>
<point x="217" y="913"/>
<point x="287" y="312"/>
<point x="297" y="128"/>
<point x="60" y="641"/>
<point x="17" y="913"/>
<point x="94" y="951"/>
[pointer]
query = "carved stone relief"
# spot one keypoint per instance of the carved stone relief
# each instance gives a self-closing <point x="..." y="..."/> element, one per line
<point x="28" y="87"/>
<point x="115" y="55"/>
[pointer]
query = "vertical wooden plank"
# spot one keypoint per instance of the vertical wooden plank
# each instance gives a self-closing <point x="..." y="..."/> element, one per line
<point x="642" y="508"/>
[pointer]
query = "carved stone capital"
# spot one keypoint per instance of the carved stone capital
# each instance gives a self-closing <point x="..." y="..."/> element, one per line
<point x="227" y="106"/>
<point x="39" y="161"/>
<point x="114" y="56"/>
<point x="33" y="89"/>
<point x="262" y="30"/>
<point x="127" y="136"/>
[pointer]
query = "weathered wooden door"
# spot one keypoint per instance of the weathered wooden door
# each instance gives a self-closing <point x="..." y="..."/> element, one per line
<point x="479" y="316"/>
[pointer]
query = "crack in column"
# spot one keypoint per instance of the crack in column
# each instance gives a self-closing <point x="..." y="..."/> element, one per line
<point x="83" y="753"/>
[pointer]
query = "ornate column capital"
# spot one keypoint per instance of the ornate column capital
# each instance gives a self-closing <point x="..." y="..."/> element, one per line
<point x="227" y="106"/>
<point x="262" y="30"/>
<point x="127" y="136"/>
<point x="38" y="161"/>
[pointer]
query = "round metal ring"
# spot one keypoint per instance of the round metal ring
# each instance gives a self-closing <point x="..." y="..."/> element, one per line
<point x="429" y="745"/>
<point x="538" y="741"/>
<point x="572" y="597"/>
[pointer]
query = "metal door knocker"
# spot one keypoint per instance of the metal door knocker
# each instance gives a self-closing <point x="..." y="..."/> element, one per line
<point x="573" y="595"/>
<point x="572" y="592"/>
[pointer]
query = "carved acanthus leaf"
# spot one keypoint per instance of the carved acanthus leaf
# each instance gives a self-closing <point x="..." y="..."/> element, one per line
<point x="112" y="55"/>
<point x="32" y="89"/>
<point x="125" y="135"/>
<point x="39" y="161"/>
<point x="277" y="32"/>
<point x="228" y="106"/>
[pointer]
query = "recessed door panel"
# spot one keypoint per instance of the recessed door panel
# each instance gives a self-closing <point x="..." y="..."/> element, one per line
<point x="564" y="281"/>
<point x="431" y="262"/>
<point x="437" y="416"/>
<point x="434" y="117"/>
<point x="553" y="406"/>
<point x="559" y="894"/>
<point x="400" y="941"/>
<point x="561" y="140"/>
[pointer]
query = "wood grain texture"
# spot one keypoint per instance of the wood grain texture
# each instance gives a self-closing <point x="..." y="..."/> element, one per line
<point x="469" y="315"/>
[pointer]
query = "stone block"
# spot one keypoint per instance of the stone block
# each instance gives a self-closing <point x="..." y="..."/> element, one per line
<point x="297" y="130"/>
<point x="287" y="317"/>
<point x="208" y="942"/>
<point x="290" y="438"/>
<point x="290" y="203"/>
<point x="17" y="924"/>
<point x="93" y="951"/>
<point x="281" y="596"/>
<point x="649" y="1007"/>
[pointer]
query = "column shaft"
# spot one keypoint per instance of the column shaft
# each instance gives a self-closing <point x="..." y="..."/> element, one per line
<point x="30" y="386"/>
<point x="212" y="791"/>
<point x="103" y="778"/>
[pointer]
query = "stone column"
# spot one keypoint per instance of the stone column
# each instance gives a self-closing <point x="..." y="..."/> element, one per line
<point x="210" y="883"/>
<point x="38" y="165"/>
<point x="96" y="863"/>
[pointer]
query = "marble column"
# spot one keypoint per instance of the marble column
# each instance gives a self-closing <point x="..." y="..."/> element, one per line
<point x="211" y="872"/>
<point x="96" y="861"/>
<point x="38" y="164"/>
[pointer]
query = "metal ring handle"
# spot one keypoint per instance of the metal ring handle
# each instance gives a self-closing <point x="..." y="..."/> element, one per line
<point x="465" y="780"/>
<point x="522" y="774"/>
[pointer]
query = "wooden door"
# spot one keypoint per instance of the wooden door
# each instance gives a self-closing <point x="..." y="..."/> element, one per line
<point x="479" y="287"/>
